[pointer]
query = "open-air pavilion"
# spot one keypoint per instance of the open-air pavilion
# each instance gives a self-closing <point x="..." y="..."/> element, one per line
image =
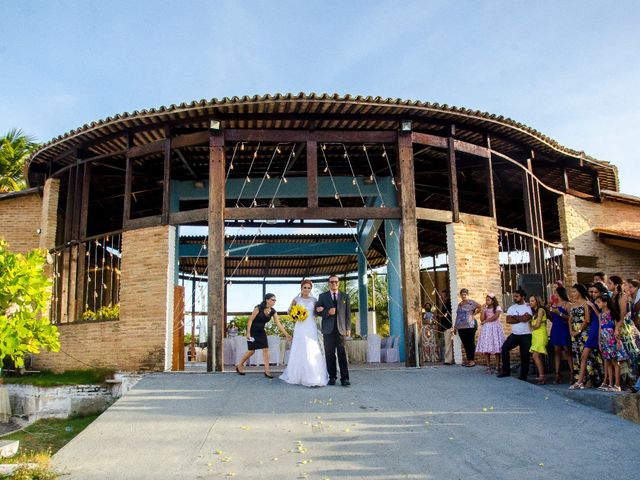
<point x="405" y="180"/>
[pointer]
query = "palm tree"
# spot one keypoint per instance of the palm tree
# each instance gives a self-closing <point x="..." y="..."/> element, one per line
<point x="15" y="148"/>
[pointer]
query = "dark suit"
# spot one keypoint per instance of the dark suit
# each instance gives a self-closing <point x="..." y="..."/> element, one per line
<point x="334" y="328"/>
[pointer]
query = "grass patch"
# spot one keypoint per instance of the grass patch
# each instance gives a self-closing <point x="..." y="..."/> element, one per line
<point x="45" y="437"/>
<point x="47" y="378"/>
<point x="39" y="441"/>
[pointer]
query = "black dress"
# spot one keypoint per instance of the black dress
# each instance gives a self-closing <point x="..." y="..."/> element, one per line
<point x="257" y="330"/>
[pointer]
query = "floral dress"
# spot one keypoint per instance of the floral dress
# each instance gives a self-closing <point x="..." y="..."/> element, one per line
<point x="631" y="341"/>
<point x="491" y="335"/>
<point x="429" y="350"/>
<point x="610" y="348"/>
<point x="594" y="362"/>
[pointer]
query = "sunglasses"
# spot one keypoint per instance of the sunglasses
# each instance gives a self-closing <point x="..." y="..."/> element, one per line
<point x="306" y="288"/>
<point x="334" y="281"/>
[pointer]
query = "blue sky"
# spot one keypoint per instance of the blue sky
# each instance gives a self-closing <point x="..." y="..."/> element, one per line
<point x="570" y="69"/>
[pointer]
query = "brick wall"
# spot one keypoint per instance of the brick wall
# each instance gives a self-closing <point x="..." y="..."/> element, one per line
<point x="19" y="221"/>
<point x="139" y="339"/>
<point x="577" y="219"/>
<point x="473" y="264"/>
<point x="49" y="213"/>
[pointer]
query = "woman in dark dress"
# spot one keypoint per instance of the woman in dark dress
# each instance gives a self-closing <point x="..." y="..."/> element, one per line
<point x="257" y="337"/>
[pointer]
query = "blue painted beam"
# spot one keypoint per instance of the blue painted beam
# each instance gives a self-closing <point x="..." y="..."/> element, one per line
<point x="394" y="282"/>
<point x="269" y="249"/>
<point x="294" y="188"/>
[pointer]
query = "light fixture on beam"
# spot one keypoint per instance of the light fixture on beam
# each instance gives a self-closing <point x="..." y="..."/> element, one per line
<point x="215" y="126"/>
<point x="406" y="126"/>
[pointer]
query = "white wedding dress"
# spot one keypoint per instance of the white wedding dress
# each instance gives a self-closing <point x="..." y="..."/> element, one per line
<point x="306" y="365"/>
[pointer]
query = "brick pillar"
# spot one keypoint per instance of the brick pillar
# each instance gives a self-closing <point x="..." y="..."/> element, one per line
<point x="571" y="225"/>
<point x="146" y="298"/>
<point x="473" y="264"/>
<point x="49" y="214"/>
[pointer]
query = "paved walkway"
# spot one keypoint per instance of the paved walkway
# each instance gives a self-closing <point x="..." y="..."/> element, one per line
<point x="438" y="422"/>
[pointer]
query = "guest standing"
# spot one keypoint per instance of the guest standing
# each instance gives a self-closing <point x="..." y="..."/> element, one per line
<point x="466" y="326"/>
<point x="518" y="315"/>
<point x="491" y="335"/>
<point x="257" y="337"/>
<point x="613" y="352"/>
<point x="580" y="317"/>
<point x="560" y="336"/>
<point x="539" y="336"/>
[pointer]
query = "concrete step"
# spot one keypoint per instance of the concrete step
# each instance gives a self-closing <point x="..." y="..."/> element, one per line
<point x="625" y="405"/>
<point x="8" y="448"/>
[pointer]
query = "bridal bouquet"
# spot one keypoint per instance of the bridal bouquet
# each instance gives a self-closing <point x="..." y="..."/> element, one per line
<point x="298" y="313"/>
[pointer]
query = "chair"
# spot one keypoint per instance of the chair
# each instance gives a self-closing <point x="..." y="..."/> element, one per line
<point x="240" y="344"/>
<point x="383" y="348"/>
<point x="374" y="347"/>
<point x="392" y="354"/>
<point x="229" y="351"/>
<point x="274" y="349"/>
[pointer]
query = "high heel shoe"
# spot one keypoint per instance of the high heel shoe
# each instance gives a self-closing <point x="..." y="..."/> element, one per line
<point x="268" y="375"/>
<point x="540" y="381"/>
<point x="238" y="371"/>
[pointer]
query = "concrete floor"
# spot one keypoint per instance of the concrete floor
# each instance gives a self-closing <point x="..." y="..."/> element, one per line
<point x="437" y="422"/>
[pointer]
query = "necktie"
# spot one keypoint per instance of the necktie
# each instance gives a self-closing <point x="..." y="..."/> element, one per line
<point x="335" y="299"/>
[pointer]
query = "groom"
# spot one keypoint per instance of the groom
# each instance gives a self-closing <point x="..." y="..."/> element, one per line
<point x="335" y="309"/>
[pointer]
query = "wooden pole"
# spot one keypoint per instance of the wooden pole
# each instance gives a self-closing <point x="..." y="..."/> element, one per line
<point x="453" y="176"/>
<point x="215" y="260"/>
<point x="490" y="187"/>
<point x="410" y="269"/>
<point x="312" y="174"/>
<point x="128" y="178"/>
<point x="166" y="179"/>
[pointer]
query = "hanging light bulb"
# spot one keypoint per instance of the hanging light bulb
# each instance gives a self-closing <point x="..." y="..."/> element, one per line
<point x="204" y="245"/>
<point x="246" y="258"/>
<point x="336" y="196"/>
<point x="391" y="233"/>
<point x="345" y="155"/>
<point x="231" y="166"/>
<point x="382" y="205"/>
<point x="284" y="179"/>
<point x="254" y="203"/>
<point x="326" y="169"/>
<point x="242" y="146"/>
<point x="271" y="205"/>
<point x="384" y="154"/>
<point x="324" y="146"/>
<point x="293" y="152"/>
<point x="226" y="253"/>
<point x="255" y="154"/>
<point x="354" y="181"/>
<point x="393" y="182"/>
<point x="364" y="148"/>
<point x="371" y="177"/>
<point x="248" y="180"/>
<point x="268" y="176"/>
<point x="278" y="150"/>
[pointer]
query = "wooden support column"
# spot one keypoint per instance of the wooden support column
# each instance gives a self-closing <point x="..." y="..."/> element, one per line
<point x="565" y="179"/>
<point x="490" y="187"/>
<point x="453" y="176"/>
<point x="82" y="247"/>
<point x="215" y="252"/>
<point x="530" y="214"/>
<point x="128" y="179"/>
<point x="166" y="179"/>
<point x="312" y="173"/>
<point x="596" y="186"/>
<point x="410" y="269"/>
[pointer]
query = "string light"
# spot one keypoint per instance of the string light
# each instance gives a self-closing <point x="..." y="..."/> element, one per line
<point x="231" y="166"/>
<point x="268" y="176"/>
<point x="248" y="180"/>
<point x="326" y="169"/>
<point x="354" y="181"/>
<point x="284" y="179"/>
<point x="242" y="146"/>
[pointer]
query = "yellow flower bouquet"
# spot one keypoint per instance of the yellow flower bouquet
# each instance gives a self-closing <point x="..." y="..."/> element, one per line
<point x="298" y="313"/>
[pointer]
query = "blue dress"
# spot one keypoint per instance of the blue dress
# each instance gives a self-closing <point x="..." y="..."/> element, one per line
<point x="593" y="340"/>
<point x="560" y="336"/>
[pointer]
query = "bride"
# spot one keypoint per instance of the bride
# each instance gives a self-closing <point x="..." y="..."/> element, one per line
<point x="306" y="364"/>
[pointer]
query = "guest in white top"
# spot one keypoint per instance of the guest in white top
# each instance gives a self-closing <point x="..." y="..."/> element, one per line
<point x="518" y="315"/>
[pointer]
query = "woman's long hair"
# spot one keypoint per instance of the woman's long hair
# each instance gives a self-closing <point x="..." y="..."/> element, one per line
<point x="263" y="304"/>
<point x="562" y="293"/>
<point x="582" y="290"/>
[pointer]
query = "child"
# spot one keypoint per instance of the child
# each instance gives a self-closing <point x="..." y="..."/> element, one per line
<point x="611" y="347"/>
<point x="491" y="335"/>
<point x="539" y="336"/>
